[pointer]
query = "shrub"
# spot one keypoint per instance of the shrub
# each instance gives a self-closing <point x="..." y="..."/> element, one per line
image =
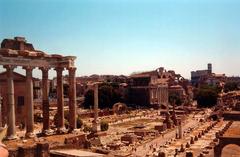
<point x="22" y="126"/>
<point x="104" y="126"/>
<point x="66" y="123"/>
<point x="55" y="119"/>
<point x="66" y="114"/>
<point x="87" y="128"/>
<point x="207" y="96"/>
<point x="79" y="122"/>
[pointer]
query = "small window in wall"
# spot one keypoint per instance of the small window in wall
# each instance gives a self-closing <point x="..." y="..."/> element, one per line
<point x="20" y="101"/>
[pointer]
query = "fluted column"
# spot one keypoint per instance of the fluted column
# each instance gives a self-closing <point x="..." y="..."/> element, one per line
<point x="29" y="102"/>
<point x="72" y="98"/>
<point x="60" y="99"/>
<point x="45" y="100"/>
<point x="11" y="132"/>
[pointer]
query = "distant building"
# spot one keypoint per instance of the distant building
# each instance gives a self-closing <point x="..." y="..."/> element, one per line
<point x="84" y="83"/>
<point x="19" y="95"/>
<point x="177" y="90"/>
<point x="200" y="75"/>
<point x="152" y="88"/>
<point x="206" y="77"/>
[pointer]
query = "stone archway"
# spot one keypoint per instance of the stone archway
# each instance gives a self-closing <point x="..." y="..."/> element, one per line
<point x="224" y="141"/>
<point x="231" y="150"/>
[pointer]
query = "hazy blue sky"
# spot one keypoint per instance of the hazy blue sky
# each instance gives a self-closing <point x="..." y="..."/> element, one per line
<point x="124" y="36"/>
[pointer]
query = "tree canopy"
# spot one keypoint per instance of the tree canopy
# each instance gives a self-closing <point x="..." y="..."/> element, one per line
<point x="206" y="96"/>
<point x="175" y="98"/>
<point x="231" y="86"/>
<point x="108" y="95"/>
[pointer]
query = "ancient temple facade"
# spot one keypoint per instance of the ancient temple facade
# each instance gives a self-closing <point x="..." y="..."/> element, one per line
<point x="18" y="53"/>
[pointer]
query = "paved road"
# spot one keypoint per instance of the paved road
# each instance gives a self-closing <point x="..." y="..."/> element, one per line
<point x="144" y="149"/>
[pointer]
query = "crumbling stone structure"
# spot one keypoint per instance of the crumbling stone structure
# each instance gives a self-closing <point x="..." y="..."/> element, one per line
<point x="17" y="52"/>
<point x="36" y="150"/>
<point x="224" y="141"/>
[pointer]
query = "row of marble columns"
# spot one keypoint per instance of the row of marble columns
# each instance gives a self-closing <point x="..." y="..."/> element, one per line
<point x="162" y="96"/>
<point x="11" y="134"/>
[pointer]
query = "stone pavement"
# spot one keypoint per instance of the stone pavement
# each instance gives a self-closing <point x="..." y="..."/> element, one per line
<point x="75" y="153"/>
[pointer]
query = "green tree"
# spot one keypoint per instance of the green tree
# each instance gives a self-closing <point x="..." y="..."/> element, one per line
<point x="175" y="98"/>
<point x="108" y="95"/>
<point x="105" y="95"/>
<point x="231" y="86"/>
<point x="79" y="122"/>
<point x="206" y="96"/>
<point x="89" y="99"/>
<point x="104" y="126"/>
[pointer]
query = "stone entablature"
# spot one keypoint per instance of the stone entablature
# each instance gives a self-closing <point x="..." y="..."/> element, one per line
<point x="34" y="59"/>
<point x="17" y="52"/>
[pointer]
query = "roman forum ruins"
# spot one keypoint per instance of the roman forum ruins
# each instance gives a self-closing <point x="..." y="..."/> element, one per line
<point x="161" y="128"/>
<point x="18" y="53"/>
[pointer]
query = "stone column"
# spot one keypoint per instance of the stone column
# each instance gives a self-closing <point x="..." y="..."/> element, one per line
<point x="158" y="97"/>
<point x="11" y="132"/>
<point x="180" y="130"/>
<point x="45" y="101"/>
<point x="72" y="98"/>
<point x="166" y="95"/>
<point x="1" y="123"/>
<point x="60" y="100"/>
<point x="95" y="121"/>
<point x="29" y="102"/>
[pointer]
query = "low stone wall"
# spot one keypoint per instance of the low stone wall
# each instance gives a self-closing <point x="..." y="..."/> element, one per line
<point x="100" y="114"/>
<point x="232" y="116"/>
<point x="160" y="128"/>
<point x="36" y="150"/>
<point x="129" y="138"/>
<point x="79" y="141"/>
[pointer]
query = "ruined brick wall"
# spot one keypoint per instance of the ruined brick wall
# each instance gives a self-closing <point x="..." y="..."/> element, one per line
<point x="231" y="116"/>
<point x="100" y="114"/>
<point x="79" y="141"/>
<point x="16" y="44"/>
<point x="19" y="91"/>
<point x="36" y="150"/>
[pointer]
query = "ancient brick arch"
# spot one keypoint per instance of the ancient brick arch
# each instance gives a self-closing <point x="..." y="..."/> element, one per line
<point x="224" y="141"/>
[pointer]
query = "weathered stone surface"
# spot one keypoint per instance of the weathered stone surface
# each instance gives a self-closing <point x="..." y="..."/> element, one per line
<point x="160" y="128"/>
<point x="189" y="154"/>
<point x="129" y="138"/>
<point x="79" y="141"/>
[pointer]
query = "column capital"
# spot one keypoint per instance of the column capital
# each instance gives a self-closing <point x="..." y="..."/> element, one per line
<point x="28" y="68"/>
<point x="9" y="67"/>
<point x="59" y="69"/>
<point x="71" y="68"/>
<point x="72" y="71"/>
<point x="44" y="69"/>
<point x="96" y="85"/>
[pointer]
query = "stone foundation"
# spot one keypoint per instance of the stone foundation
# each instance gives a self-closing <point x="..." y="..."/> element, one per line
<point x="79" y="141"/>
<point x="36" y="150"/>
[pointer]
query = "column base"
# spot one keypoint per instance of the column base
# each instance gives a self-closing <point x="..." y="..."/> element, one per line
<point x="62" y="130"/>
<point x="73" y="131"/>
<point x="12" y="137"/>
<point x="30" y="135"/>
<point x="47" y="132"/>
<point x="96" y="127"/>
